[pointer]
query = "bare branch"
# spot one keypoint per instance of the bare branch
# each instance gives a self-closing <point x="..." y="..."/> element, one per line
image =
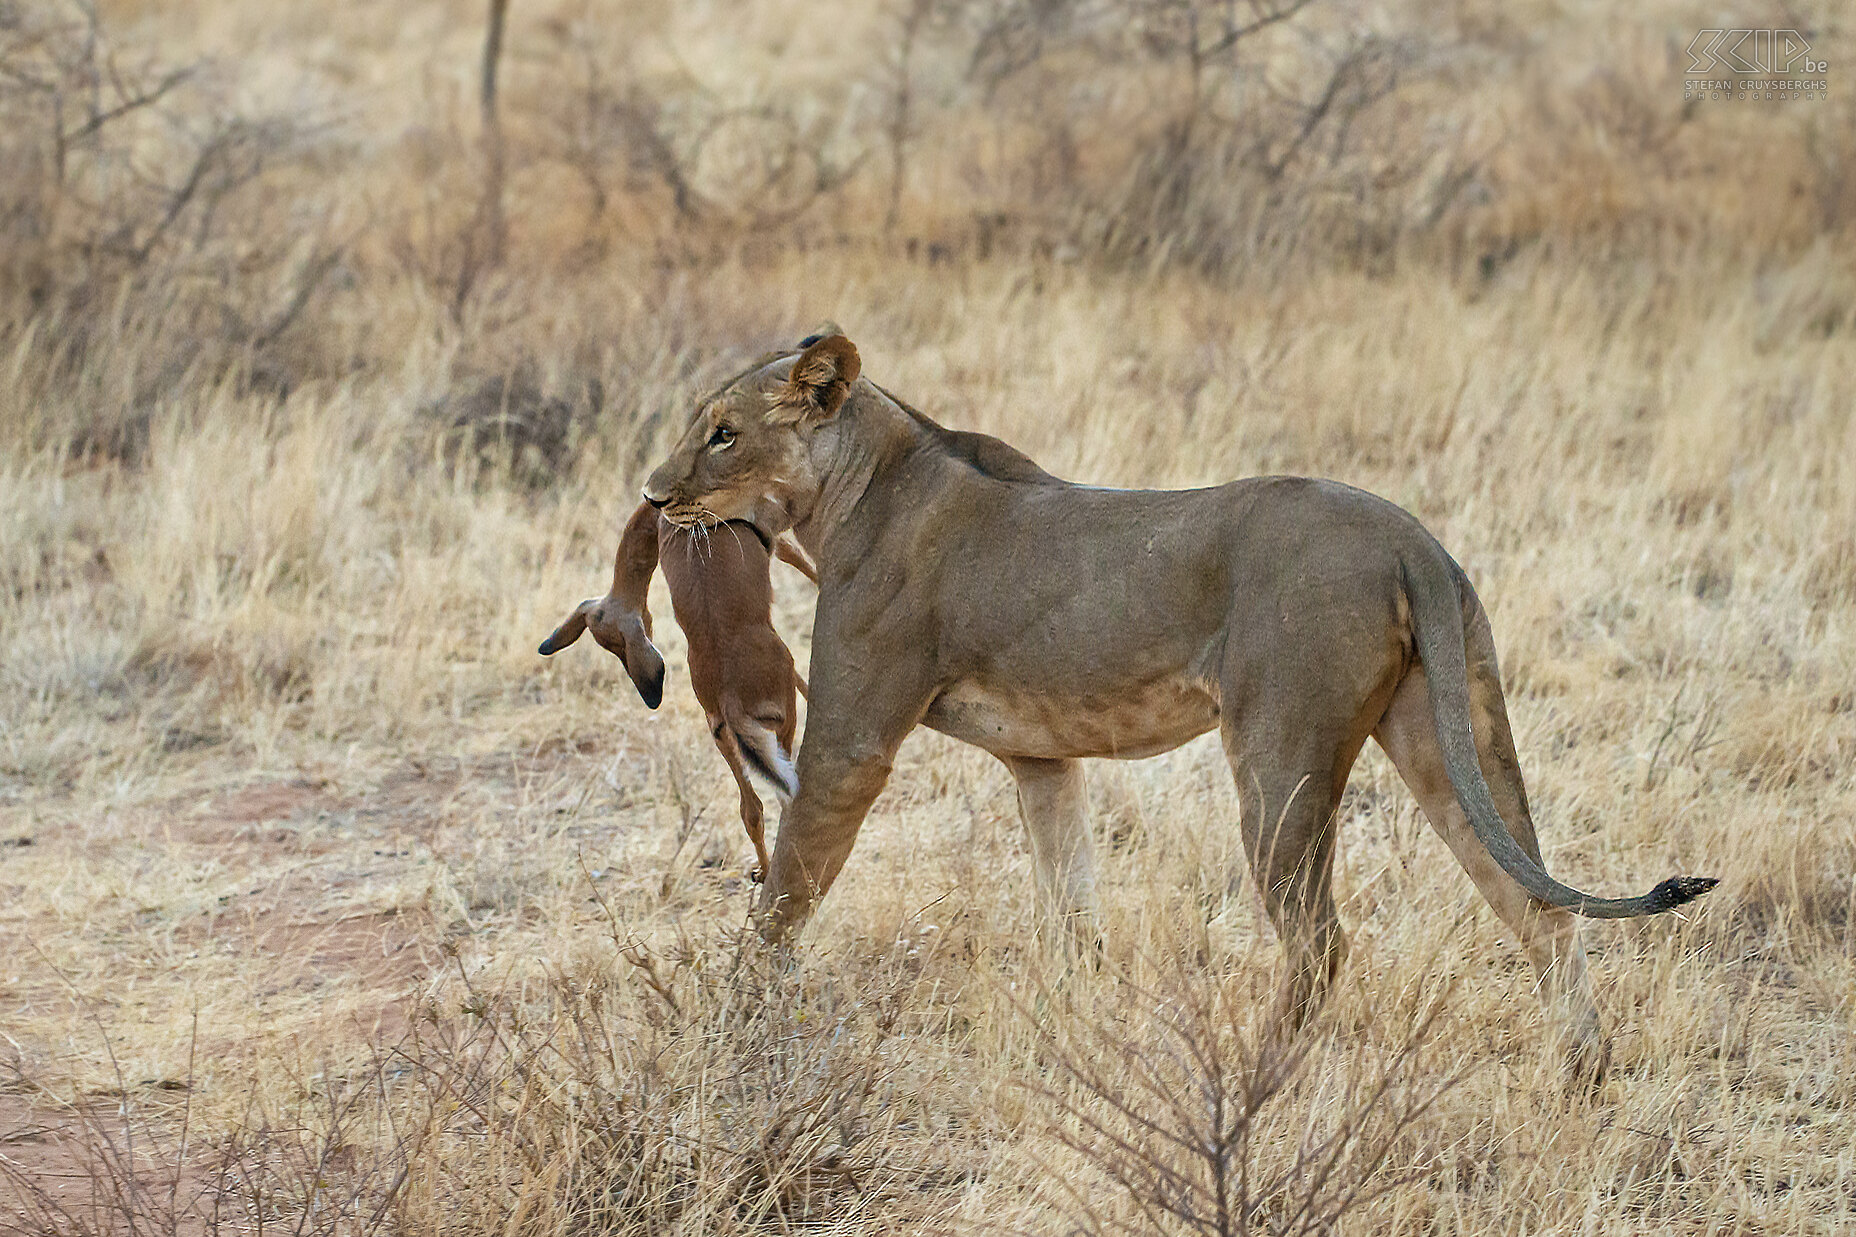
<point x="314" y="272"/>
<point x="492" y="54"/>
<point x="129" y="104"/>
<point x="1232" y="37"/>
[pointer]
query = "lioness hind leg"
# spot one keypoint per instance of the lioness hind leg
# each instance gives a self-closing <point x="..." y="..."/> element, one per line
<point x="1408" y="733"/>
<point x="1297" y="708"/>
<point x="1288" y="823"/>
<point x="1052" y="800"/>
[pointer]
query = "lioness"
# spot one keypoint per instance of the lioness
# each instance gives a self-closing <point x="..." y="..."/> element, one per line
<point x="964" y="588"/>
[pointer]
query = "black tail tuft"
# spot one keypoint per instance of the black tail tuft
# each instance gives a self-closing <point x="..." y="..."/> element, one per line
<point x="762" y="750"/>
<point x="1677" y="890"/>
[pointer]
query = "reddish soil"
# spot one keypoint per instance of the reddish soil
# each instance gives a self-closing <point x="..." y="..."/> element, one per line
<point x="298" y="848"/>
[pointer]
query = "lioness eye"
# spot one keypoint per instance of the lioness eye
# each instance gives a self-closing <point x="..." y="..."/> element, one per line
<point x="722" y="439"/>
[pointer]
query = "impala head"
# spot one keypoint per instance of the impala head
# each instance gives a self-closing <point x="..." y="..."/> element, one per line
<point x="745" y="454"/>
<point x="624" y="633"/>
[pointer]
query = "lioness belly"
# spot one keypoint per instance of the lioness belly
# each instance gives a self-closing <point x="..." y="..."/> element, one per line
<point x="1141" y="721"/>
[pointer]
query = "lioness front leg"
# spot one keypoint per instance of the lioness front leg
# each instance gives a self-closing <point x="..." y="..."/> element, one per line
<point x="852" y="732"/>
<point x="816" y="835"/>
<point x="1052" y="801"/>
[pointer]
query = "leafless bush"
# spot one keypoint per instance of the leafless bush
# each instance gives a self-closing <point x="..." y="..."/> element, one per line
<point x="690" y="1093"/>
<point x="610" y="130"/>
<point x="133" y="220"/>
<point x="515" y="426"/>
<point x="685" y="1090"/>
<point x="1830" y="144"/>
<point x="1217" y="134"/>
<point x="717" y="164"/>
<point x="486" y="236"/>
<point x="1205" y="1119"/>
<point x="322" y="1164"/>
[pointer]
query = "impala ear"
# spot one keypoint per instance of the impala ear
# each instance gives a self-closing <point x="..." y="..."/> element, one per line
<point x="821" y="378"/>
<point x="645" y="665"/>
<point x="567" y="632"/>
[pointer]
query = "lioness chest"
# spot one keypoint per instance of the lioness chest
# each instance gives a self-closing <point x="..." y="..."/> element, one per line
<point x="1143" y="720"/>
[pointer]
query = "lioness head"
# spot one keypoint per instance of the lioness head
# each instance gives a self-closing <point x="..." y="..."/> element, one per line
<point x="745" y="454"/>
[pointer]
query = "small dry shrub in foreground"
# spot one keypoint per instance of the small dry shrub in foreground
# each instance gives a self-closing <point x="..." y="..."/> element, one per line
<point x="1192" y="1112"/>
<point x="700" y="1089"/>
<point x="322" y="1160"/>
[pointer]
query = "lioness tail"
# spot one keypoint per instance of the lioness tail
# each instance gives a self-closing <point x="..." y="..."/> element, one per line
<point x="1437" y="623"/>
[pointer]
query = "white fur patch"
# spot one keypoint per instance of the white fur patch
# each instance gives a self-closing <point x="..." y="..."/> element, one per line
<point x="769" y="758"/>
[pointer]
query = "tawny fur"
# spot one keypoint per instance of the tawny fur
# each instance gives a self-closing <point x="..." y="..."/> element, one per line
<point x="742" y="673"/>
<point x="966" y="589"/>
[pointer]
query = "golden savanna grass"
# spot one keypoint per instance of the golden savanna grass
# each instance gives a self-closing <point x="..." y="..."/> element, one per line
<point x="322" y="895"/>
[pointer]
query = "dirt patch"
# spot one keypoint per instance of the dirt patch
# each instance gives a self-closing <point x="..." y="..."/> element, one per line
<point x="269" y="907"/>
<point x="69" y="1171"/>
<point x="263" y="911"/>
<point x="41" y="1153"/>
<point x="268" y="801"/>
<point x="120" y="1167"/>
<point x="264" y="814"/>
<point x="374" y="961"/>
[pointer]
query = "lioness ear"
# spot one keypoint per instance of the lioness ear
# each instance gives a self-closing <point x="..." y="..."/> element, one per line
<point x="821" y="378"/>
<point x="823" y="330"/>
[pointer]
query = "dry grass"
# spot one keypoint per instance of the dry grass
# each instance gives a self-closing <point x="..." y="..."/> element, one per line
<point x="305" y="852"/>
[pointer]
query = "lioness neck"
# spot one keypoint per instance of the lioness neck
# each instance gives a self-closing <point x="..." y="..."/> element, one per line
<point x="859" y="453"/>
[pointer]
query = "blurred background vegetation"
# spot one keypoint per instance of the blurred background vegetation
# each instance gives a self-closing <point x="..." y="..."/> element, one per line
<point x="255" y="193"/>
